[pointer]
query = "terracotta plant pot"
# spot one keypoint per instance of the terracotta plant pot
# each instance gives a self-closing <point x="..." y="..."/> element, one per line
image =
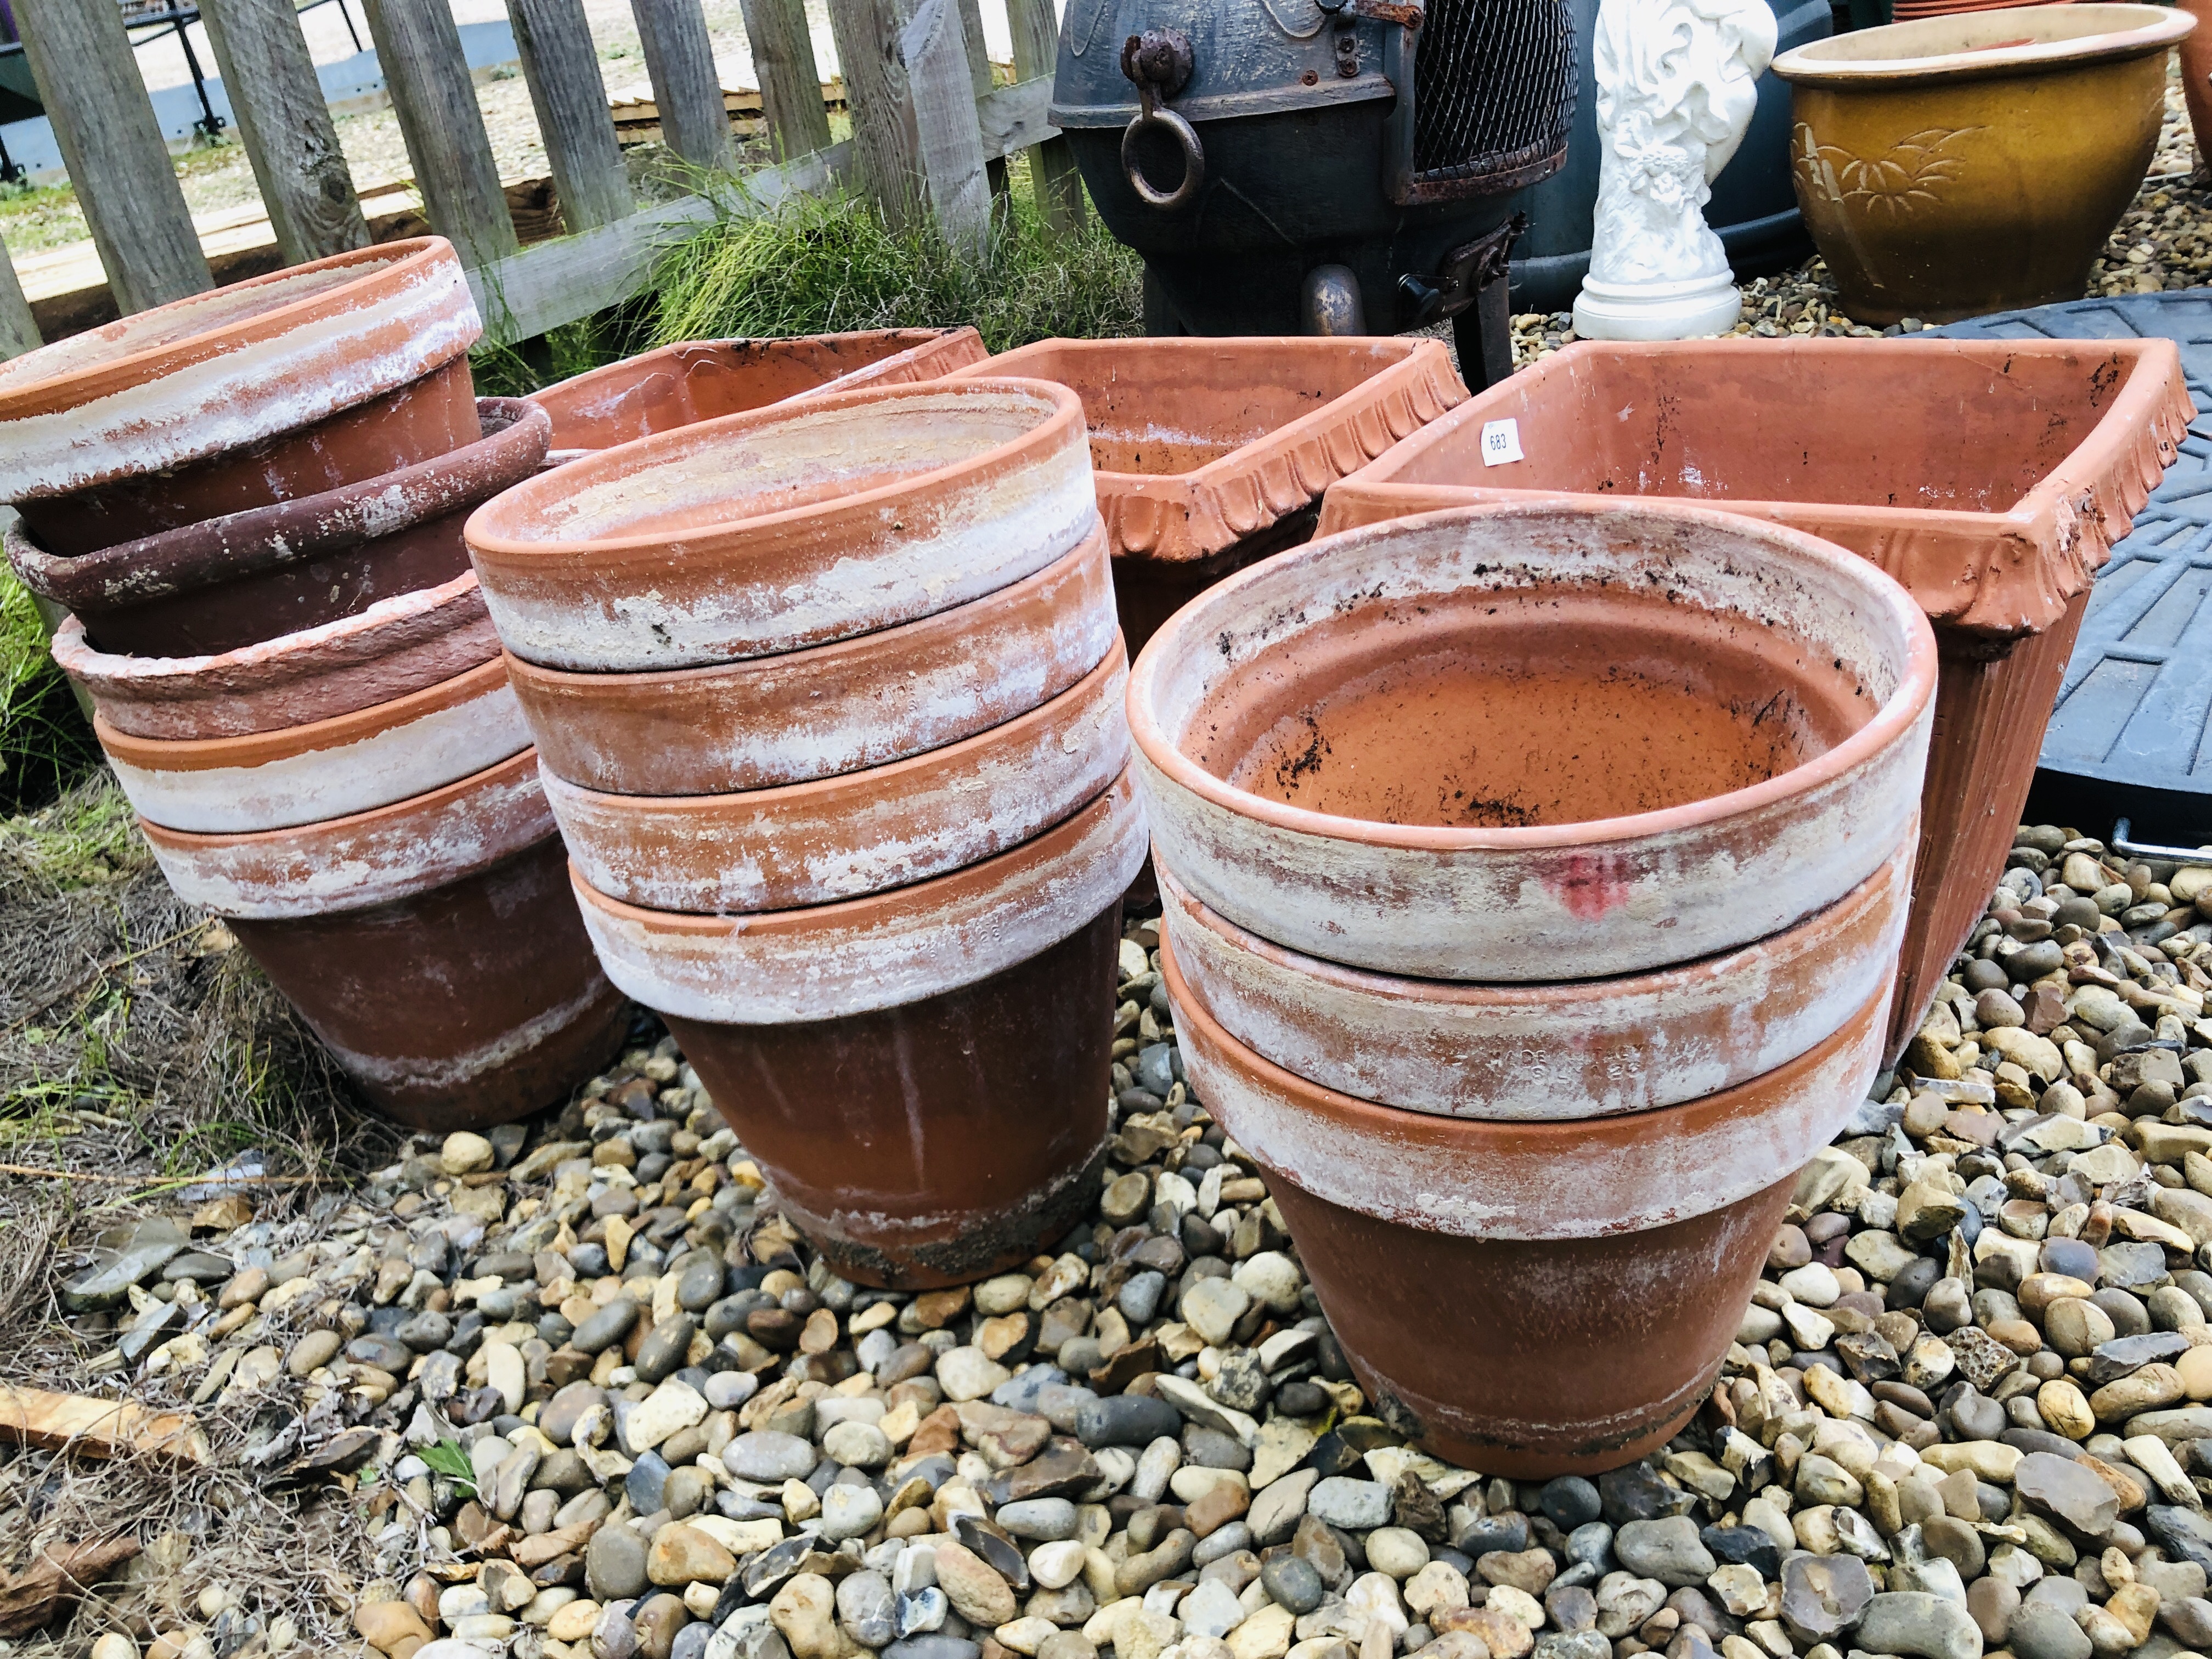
<point x="1210" y="455"/>
<point x="788" y="527"/>
<point x="397" y="646"/>
<point x="1586" y="1049"/>
<point x="1990" y="476"/>
<point x="1535" y="743"/>
<point x="289" y="385"/>
<point x="965" y="1006"/>
<point x="223" y="583"/>
<point x="856" y="833"/>
<point x="704" y="380"/>
<point x="329" y="769"/>
<point x="1596" y="1271"/>
<point x="433" y="945"/>
<point x="814" y="714"/>
<point x="1966" y="164"/>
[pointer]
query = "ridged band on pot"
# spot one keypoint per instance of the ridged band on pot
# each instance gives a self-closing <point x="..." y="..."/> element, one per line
<point x="1596" y="1271"/>
<point x="704" y="380"/>
<point x="329" y="769"/>
<point x="769" y="721"/>
<point x="859" y="832"/>
<point x="787" y="527"/>
<point x="231" y="367"/>
<point x="941" y="1140"/>
<point x="1575" y="900"/>
<point x="367" y="859"/>
<point x="397" y="646"/>
<point x="224" y="583"/>
<point x="830" y="960"/>
<point x="1546" y="1052"/>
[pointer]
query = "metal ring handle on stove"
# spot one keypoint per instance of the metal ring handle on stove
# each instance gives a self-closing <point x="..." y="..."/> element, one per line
<point x="1194" y="159"/>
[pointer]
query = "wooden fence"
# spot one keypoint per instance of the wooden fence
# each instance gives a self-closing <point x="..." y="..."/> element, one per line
<point x="928" y="128"/>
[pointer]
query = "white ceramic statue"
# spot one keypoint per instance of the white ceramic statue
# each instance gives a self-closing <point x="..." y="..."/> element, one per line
<point x="1677" y="82"/>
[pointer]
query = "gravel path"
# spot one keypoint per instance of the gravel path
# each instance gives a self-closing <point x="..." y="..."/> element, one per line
<point x="579" y="1390"/>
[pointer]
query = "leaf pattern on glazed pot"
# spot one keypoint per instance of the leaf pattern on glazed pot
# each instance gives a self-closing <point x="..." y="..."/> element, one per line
<point x="1893" y="186"/>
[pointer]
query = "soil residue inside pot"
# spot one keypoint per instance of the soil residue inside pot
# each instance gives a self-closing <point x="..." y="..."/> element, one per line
<point x="1524" y="712"/>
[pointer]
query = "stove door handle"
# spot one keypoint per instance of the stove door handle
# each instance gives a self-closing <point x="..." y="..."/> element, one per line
<point x="1194" y="159"/>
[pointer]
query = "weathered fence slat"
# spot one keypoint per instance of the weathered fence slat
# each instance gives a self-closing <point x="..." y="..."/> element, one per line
<point x="570" y="99"/>
<point x="950" y="137"/>
<point x="979" y="69"/>
<point x="419" y="49"/>
<point x="679" y="59"/>
<point x="19" y="333"/>
<point x="886" y="152"/>
<point x="277" y="102"/>
<point x="1052" y="165"/>
<point x="790" y="80"/>
<point x="88" y="78"/>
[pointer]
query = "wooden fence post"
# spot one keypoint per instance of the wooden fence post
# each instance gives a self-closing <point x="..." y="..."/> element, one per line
<point x="1053" y="172"/>
<point x="563" y="68"/>
<point x="886" y="151"/>
<point x="790" y="80"/>
<point x="419" y="49"/>
<point x="935" y="48"/>
<point x="277" y="101"/>
<point x="88" y="78"/>
<point x="19" y="333"/>
<point x="978" y="69"/>
<point x="679" y="59"/>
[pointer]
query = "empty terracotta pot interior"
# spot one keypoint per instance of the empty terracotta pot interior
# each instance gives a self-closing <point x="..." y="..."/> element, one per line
<point x="395" y="647"/>
<point x="350" y="764"/>
<point x="1582" y="1352"/>
<point x="787" y="527"/>
<point x="941" y="1140"/>
<point x="859" y="832"/>
<point x="705" y="379"/>
<point x="1471" y="699"/>
<point x="1588" y="1048"/>
<point x="224" y="583"/>
<point x="787" y="719"/>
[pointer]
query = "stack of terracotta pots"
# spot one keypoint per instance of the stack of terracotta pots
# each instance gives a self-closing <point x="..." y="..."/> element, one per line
<point x="827" y="698"/>
<point x="1533" y="879"/>
<point x="252" y="502"/>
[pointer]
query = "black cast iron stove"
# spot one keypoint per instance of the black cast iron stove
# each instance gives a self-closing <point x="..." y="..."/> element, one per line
<point x="1327" y="167"/>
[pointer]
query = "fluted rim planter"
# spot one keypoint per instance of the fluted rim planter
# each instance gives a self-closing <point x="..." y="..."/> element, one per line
<point x="433" y="946"/>
<point x="1990" y="476"/>
<point x="379" y="334"/>
<point x="329" y="769"/>
<point x="969" y="1126"/>
<point x="1596" y="1270"/>
<point x="1689" y="647"/>
<point x="395" y="647"/>
<point x="1210" y="454"/>
<point x="225" y="583"/>
<point x="860" y="956"/>
<point x="859" y="832"/>
<point x="704" y="380"/>
<point x="1950" y="166"/>
<point x="771" y="721"/>
<point x="788" y="527"/>
<point x="1550" y="1052"/>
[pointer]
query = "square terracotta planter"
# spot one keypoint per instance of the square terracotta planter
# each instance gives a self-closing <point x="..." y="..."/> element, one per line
<point x="1990" y="477"/>
<point x="702" y="380"/>
<point x="1212" y="454"/>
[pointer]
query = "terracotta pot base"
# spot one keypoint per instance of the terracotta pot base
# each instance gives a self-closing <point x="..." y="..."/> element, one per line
<point x="936" y="1142"/>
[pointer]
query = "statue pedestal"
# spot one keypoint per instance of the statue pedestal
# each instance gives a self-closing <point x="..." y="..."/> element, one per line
<point x="1657" y="311"/>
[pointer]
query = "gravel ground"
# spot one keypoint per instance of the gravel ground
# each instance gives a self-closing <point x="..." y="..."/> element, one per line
<point x="574" y="1388"/>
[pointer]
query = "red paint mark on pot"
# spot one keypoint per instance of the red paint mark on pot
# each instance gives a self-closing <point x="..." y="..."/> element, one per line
<point x="1588" y="887"/>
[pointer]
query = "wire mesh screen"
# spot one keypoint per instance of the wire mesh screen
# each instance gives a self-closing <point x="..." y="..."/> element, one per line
<point x="1494" y="88"/>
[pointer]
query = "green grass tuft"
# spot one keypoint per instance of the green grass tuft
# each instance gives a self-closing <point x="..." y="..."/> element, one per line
<point x="46" y="742"/>
<point x="828" y="264"/>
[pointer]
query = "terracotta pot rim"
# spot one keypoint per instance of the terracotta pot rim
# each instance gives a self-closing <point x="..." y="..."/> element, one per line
<point x="519" y="767"/>
<point x="883" y="779"/>
<point x="489" y="533"/>
<point x="601" y="679"/>
<point x="1890" y="724"/>
<point x="2135" y="30"/>
<point x="154" y="677"/>
<point x="390" y="260"/>
<point x="259" y="748"/>
<point x="214" y="551"/>
<point x="1552" y="1145"/>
